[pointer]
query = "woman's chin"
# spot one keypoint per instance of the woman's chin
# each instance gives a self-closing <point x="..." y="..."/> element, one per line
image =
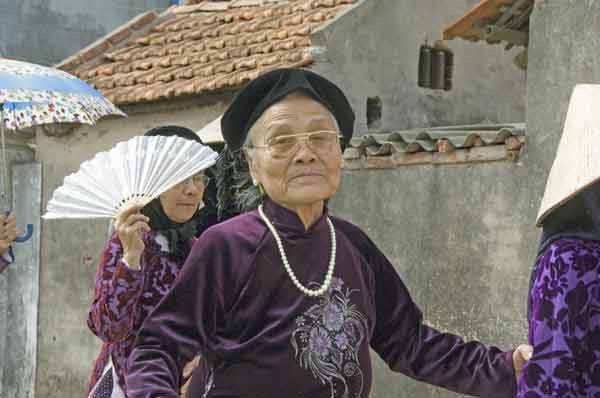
<point x="183" y="215"/>
<point x="308" y="195"/>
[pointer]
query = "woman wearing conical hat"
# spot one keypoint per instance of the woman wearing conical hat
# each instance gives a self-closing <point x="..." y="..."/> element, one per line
<point x="564" y="299"/>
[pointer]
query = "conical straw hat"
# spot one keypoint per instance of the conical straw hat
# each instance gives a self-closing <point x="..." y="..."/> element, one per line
<point x="577" y="162"/>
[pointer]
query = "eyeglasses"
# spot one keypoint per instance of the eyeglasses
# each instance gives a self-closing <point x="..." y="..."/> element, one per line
<point x="198" y="181"/>
<point x="321" y="142"/>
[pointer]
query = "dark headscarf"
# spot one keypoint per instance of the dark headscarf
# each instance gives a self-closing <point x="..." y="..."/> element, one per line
<point x="578" y="218"/>
<point x="179" y="235"/>
<point x="268" y="89"/>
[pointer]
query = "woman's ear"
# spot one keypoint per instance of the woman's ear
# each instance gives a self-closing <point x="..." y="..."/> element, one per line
<point x="161" y="199"/>
<point x="251" y="166"/>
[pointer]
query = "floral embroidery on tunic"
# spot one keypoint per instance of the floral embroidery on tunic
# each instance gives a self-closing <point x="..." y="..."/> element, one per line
<point x="327" y="340"/>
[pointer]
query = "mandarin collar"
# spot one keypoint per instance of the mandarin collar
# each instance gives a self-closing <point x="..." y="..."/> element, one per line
<point x="286" y="221"/>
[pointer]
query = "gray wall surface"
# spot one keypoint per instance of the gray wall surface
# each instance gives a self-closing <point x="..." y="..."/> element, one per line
<point x="463" y="237"/>
<point x="48" y="31"/>
<point x="19" y="282"/>
<point x="560" y="56"/>
<point x="373" y="51"/>
<point x="23" y="287"/>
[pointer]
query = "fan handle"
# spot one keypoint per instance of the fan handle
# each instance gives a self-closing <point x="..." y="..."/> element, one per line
<point x="26" y="236"/>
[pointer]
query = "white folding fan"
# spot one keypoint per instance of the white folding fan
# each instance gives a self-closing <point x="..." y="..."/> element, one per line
<point x="132" y="172"/>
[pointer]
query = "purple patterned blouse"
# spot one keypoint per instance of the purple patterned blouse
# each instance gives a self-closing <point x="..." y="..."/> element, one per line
<point x="564" y="326"/>
<point x="123" y="298"/>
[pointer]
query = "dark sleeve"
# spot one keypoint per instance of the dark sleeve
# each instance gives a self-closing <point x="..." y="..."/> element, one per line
<point x="181" y="325"/>
<point x="116" y="294"/>
<point x="565" y="346"/>
<point x="411" y="347"/>
<point x="6" y="259"/>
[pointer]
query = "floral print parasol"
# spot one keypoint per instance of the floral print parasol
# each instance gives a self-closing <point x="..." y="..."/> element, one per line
<point x="32" y="95"/>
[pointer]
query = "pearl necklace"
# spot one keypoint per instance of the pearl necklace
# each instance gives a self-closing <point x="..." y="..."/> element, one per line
<point x="325" y="286"/>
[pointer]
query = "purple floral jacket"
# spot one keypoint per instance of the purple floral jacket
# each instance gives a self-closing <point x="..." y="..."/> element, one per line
<point x="124" y="297"/>
<point x="564" y="326"/>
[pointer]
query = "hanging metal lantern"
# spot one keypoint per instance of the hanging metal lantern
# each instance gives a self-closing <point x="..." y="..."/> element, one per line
<point x="448" y="70"/>
<point x="438" y="69"/>
<point x="424" y="79"/>
<point x="436" y="66"/>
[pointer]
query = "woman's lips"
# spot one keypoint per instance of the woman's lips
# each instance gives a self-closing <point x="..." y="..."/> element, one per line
<point x="307" y="175"/>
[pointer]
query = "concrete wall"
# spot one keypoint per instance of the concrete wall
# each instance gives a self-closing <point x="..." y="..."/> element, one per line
<point x="71" y="249"/>
<point x="463" y="237"/>
<point x="48" y="31"/>
<point x="19" y="284"/>
<point x="373" y="51"/>
<point x="560" y="56"/>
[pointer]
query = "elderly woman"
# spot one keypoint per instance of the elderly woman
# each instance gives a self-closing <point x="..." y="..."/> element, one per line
<point x="139" y="264"/>
<point x="287" y="300"/>
<point x="8" y="234"/>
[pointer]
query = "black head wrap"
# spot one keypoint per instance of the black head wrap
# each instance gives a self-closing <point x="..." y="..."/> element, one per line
<point x="267" y="89"/>
<point x="179" y="235"/>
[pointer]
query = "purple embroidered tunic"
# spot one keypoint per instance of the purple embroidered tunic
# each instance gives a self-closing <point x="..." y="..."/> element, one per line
<point x="261" y="337"/>
<point x="124" y="297"/>
<point x="564" y="326"/>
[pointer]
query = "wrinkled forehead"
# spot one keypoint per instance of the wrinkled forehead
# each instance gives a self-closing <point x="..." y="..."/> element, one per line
<point x="295" y="110"/>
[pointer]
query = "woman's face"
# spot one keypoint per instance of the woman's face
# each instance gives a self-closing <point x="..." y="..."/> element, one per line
<point x="181" y="202"/>
<point x="295" y="152"/>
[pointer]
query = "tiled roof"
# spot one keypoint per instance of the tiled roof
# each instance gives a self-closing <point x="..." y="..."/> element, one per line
<point x="494" y="21"/>
<point x="204" y="47"/>
<point x="441" y="145"/>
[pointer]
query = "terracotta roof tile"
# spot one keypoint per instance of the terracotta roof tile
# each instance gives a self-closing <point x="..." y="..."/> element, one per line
<point x="105" y="83"/>
<point x="95" y="51"/>
<point x="122" y="54"/>
<point x="240" y="52"/>
<point x="141" y="21"/>
<point x="202" y="46"/>
<point x="119" y="35"/>
<point x="246" y="3"/>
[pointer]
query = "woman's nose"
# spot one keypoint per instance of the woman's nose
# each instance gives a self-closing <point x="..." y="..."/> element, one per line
<point x="305" y="153"/>
<point x="192" y="189"/>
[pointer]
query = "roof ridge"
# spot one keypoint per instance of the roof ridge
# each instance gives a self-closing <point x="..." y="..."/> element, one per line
<point x="210" y="6"/>
<point x="425" y="146"/>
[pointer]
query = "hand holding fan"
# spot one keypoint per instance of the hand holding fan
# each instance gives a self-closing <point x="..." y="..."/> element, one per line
<point x="132" y="173"/>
